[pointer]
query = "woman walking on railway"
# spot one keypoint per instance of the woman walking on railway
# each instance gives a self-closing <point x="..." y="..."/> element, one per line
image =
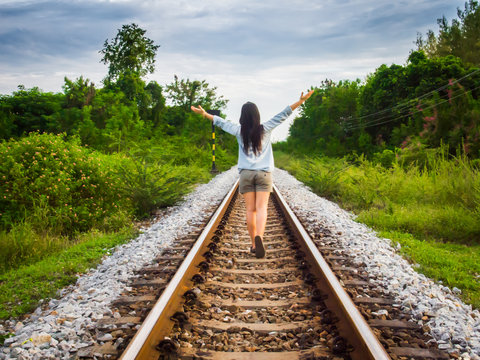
<point x="255" y="162"/>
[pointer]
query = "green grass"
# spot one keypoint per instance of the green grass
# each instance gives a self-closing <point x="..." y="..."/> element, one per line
<point x="23" y="287"/>
<point x="456" y="265"/>
<point x="434" y="213"/>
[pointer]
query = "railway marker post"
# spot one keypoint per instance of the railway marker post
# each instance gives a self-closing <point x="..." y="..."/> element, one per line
<point x="217" y="113"/>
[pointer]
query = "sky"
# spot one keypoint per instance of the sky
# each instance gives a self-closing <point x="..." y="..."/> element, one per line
<point x="266" y="51"/>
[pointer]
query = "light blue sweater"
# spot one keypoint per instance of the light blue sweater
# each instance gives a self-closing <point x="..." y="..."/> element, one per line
<point x="264" y="160"/>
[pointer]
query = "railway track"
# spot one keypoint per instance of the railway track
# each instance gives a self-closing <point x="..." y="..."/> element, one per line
<point x="209" y="297"/>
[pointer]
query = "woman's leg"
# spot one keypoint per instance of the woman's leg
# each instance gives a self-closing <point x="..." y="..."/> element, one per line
<point x="261" y="203"/>
<point x="251" y="215"/>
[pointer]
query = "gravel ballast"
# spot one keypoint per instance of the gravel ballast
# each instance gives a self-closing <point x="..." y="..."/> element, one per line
<point x="58" y="331"/>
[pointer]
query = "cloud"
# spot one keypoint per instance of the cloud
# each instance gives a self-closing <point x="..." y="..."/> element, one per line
<point x="264" y="51"/>
<point x="32" y="31"/>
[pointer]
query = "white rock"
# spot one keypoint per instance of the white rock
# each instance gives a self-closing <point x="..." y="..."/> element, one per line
<point x="105" y="337"/>
<point x="18" y="327"/>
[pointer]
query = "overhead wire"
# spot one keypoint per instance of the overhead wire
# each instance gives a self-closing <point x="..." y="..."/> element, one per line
<point x="406" y="112"/>
<point x="414" y="112"/>
<point x="406" y="103"/>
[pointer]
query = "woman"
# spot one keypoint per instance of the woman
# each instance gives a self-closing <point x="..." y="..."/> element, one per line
<point x="255" y="162"/>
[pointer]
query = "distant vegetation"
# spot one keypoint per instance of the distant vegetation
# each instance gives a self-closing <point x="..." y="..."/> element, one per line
<point x="431" y="100"/>
<point x="97" y="158"/>
<point x="432" y="211"/>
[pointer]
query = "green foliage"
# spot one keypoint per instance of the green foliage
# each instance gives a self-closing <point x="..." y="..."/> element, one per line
<point x="438" y="199"/>
<point x="421" y="101"/>
<point x="151" y="104"/>
<point x="322" y="179"/>
<point x="52" y="189"/>
<point x="78" y="93"/>
<point x="185" y="93"/>
<point x="453" y="264"/>
<point x="25" y="243"/>
<point x="432" y="210"/>
<point x="461" y="38"/>
<point x="152" y="184"/>
<point x="73" y="188"/>
<point x="28" y="110"/>
<point x="320" y="128"/>
<point x="386" y="158"/>
<point x="119" y="152"/>
<point x="131" y="52"/>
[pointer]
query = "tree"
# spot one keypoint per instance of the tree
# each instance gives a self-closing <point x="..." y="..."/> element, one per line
<point x="28" y="110"/>
<point x="152" y="103"/>
<point x="78" y="93"/>
<point x="185" y="93"/>
<point x="461" y="38"/>
<point x="130" y="52"/>
<point x="320" y="127"/>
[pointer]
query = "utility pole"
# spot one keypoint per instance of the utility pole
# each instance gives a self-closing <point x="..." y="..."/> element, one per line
<point x="217" y="113"/>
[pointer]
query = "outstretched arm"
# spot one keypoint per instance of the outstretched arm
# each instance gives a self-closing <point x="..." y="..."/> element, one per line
<point x="229" y="127"/>
<point x="282" y="116"/>
<point x="201" y="111"/>
<point x="303" y="98"/>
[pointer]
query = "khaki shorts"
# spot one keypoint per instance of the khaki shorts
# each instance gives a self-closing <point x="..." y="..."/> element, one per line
<point x="255" y="181"/>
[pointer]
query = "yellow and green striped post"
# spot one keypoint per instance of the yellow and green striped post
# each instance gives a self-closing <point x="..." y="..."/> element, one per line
<point x="217" y="113"/>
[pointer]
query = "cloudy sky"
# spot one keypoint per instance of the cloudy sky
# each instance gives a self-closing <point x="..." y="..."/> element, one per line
<point x="265" y="51"/>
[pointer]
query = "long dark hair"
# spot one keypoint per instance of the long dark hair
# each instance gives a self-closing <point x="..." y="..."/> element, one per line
<point x="251" y="130"/>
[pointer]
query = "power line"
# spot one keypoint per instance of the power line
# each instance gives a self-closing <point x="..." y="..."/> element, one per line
<point x="399" y="117"/>
<point x="406" y="103"/>
<point x="406" y="110"/>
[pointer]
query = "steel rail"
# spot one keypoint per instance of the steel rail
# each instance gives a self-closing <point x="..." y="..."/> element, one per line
<point x="364" y="341"/>
<point x="157" y="324"/>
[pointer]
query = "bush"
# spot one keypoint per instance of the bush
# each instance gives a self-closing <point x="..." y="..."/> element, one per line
<point x="58" y="185"/>
<point x="321" y="176"/>
<point x="385" y="158"/>
<point x="152" y="184"/>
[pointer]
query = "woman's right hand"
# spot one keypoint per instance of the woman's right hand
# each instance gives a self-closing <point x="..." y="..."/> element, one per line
<point x="199" y="110"/>
<point x="303" y="98"/>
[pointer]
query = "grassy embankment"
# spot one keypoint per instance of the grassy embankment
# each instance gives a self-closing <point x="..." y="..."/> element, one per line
<point x="63" y="207"/>
<point x="433" y="212"/>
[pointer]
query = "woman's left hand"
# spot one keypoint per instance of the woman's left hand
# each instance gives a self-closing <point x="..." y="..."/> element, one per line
<point x="304" y="98"/>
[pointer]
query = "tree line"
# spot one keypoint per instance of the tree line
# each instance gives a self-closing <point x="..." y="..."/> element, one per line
<point x="121" y="113"/>
<point x="430" y="102"/>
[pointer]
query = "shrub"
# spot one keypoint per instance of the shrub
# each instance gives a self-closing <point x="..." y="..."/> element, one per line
<point x="385" y="158"/>
<point x="58" y="185"/>
<point x="152" y="184"/>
